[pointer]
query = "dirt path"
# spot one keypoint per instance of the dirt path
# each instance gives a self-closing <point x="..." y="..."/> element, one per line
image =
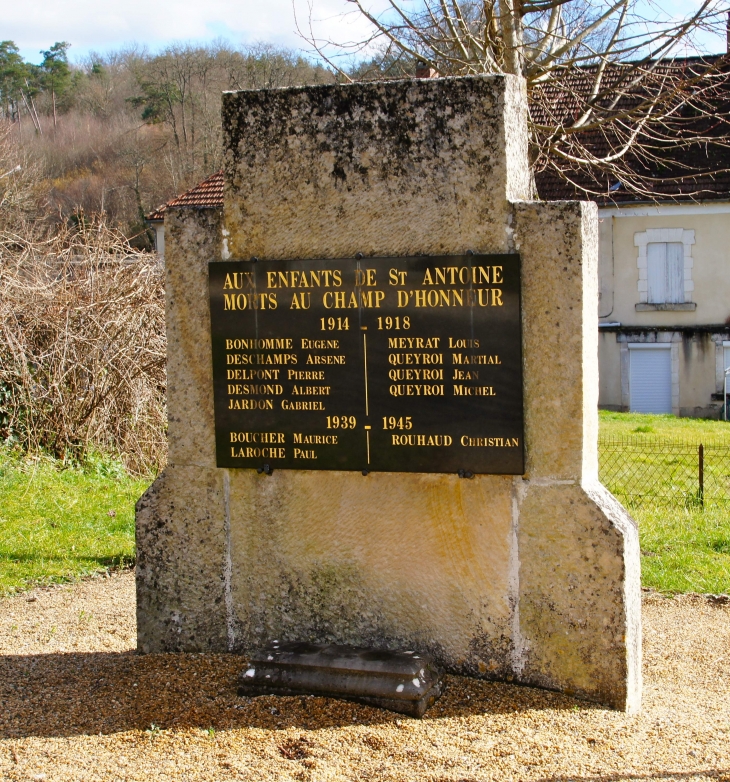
<point x="77" y="704"/>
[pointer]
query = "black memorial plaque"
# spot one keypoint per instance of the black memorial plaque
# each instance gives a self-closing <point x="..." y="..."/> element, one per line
<point x="388" y="364"/>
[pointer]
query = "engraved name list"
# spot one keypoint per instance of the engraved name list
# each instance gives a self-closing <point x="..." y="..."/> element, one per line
<point x="374" y="364"/>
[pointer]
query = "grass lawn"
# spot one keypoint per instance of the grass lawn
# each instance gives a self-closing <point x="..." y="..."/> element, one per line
<point x="685" y="549"/>
<point x="670" y="427"/>
<point x="62" y="524"/>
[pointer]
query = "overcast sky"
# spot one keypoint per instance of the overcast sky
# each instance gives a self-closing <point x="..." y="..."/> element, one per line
<point x="101" y="25"/>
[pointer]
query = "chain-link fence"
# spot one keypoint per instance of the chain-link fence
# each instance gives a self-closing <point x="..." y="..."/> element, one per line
<point x="643" y="470"/>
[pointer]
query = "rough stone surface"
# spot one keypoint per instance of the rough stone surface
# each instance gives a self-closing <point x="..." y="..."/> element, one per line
<point x="181" y="562"/>
<point x="394" y="560"/>
<point x="579" y="577"/>
<point x="193" y="241"/>
<point x="180" y="526"/>
<point x="386" y="168"/>
<point x="533" y="578"/>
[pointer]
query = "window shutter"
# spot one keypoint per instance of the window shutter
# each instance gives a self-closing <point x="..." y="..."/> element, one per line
<point x="675" y="273"/>
<point x="656" y="262"/>
<point x="665" y="272"/>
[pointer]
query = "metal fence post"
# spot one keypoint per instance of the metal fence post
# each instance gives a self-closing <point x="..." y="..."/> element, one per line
<point x="702" y="474"/>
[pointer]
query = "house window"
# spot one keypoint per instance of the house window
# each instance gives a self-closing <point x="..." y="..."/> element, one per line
<point x="665" y="266"/>
<point x="665" y="272"/>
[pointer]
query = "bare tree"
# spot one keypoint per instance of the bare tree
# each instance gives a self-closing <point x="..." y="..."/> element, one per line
<point x="612" y="104"/>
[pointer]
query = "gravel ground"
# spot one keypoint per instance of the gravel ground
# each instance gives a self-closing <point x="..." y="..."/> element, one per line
<point x="77" y="704"/>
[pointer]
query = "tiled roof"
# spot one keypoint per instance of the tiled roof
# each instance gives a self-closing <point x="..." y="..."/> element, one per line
<point x="206" y="195"/>
<point x="699" y="171"/>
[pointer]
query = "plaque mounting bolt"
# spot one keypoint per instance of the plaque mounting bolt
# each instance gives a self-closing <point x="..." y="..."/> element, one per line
<point x="267" y="469"/>
<point x="365" y="472"/>
<point x="465" y="474"/>
<point x="359" y="256"/>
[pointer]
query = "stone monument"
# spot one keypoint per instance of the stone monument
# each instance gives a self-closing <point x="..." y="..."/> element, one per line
<point x="496" y="550"/>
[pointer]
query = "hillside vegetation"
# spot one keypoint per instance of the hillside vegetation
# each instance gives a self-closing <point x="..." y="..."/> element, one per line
<point x="123" y="132"/>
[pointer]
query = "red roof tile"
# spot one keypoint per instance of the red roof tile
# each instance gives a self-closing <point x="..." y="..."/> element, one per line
<point x="206" y="195"/>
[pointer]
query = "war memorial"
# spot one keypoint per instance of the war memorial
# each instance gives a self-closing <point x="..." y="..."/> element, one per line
<point x="382" y="392"/>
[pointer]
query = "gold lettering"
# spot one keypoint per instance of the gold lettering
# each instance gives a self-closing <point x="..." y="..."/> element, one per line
<point x="463" y="343"/>
<point x="252" y="301"/>
<point x="273" y="343"/>
<point x="405" y="343"/>
<point x="301" y="301"/>
<point x="315" y="439"/>
<point x="397" y="359"/>
<point x="258" y="453"/>
<point x="320" y="344"/>
<point x="324" y="359"/>
<point x="252" y="374"/>
<point x="437" y="440"/>
<point x="460" y="390"/>
<point x="462" y="374"/>
<point x="260" y="438"/>
<point x="490" y="442"/>
<point x="396" y="278"/>
<point x="371" y="298"/>
<point x="238" y="389"/>
<point x="460" y="358"/>
<point x="250" y="404"/>
<point x="301" y="404"/>
<point x="295" y="374"/>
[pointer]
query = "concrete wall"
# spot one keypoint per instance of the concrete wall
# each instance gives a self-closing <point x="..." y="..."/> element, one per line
<point x="609" y="372"/>
<point x="532" y="578"/>
<point x="711" y="256"/>
<point x="697" y="383"/>
<point x="619" y="288"/>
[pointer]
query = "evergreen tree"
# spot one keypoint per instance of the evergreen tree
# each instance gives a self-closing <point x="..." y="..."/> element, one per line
<point x="56" y="76"/>
<point x="13" y="74"/>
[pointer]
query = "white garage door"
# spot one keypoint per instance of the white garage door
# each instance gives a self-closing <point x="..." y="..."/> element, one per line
<point x="650" y="378"/>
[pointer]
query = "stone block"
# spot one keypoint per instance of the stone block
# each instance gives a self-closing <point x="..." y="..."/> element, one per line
<point x="579" y="603"/>
<point x="193" y="240"/>
<point x="558" y="246"/>
<point x="391" y="560"/>
<point x="382" y="168"/>
<point x="182" y="562"/>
